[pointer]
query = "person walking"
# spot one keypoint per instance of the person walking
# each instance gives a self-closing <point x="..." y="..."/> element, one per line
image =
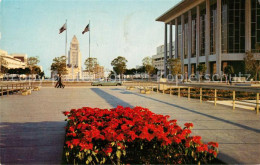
<point x="59" y="82"/>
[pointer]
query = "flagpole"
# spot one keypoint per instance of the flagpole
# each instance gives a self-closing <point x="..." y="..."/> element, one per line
<point x="66" y="41"/>
<point x="89" y="38"/>
<point x="89" y="52"/>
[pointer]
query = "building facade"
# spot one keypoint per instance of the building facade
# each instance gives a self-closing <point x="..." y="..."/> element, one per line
<point x="13" y="61"/>
<point x="98" y="73"/>
<point x="216" y="33"/>
<point x="74" y="60"/>
<point x="22" y="57"/>
<point x="158" y="59"/>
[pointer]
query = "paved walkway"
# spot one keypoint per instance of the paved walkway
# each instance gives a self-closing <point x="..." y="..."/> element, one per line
<point x="32" y="127"/>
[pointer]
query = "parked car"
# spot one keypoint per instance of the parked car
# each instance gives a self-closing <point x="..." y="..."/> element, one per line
<point x="106" y="83"/>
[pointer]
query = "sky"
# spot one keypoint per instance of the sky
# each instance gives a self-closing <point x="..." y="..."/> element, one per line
<point x="117" y="28"/>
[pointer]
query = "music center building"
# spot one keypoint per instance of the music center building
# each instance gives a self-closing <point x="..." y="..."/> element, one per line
<point x="216" y="33"/>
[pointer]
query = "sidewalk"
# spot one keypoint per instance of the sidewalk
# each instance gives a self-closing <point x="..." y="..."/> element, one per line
<point x="32" y="127"/>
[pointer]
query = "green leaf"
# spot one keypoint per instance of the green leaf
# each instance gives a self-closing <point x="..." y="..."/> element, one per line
<point x="118" y="153"/>
<point x="87" y="162"/>
<point x="186" y="151"/>
<point x="94" y="153"/>
<point x="90" y="158"/>
<point x="97" y="159"/>
<point x="124" y="152"/>
<point x="104" y="160"/>
<point x="112" y="144"/>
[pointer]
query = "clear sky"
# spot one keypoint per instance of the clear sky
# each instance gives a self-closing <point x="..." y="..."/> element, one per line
<point x="118" y="28"/>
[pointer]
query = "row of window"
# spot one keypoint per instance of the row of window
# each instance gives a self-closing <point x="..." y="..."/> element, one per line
<point x="255" y="26"/>
<point x="232" y="28"/>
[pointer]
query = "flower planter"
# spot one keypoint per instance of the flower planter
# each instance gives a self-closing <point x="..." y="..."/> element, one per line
<point x="36" y="88"/>
<point x="131" y="135"/>
<point x="130" y="88"/>
<point x="26" y="92"/>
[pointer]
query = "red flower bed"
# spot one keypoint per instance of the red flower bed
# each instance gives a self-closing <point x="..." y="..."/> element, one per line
<point x="131" y="135"/>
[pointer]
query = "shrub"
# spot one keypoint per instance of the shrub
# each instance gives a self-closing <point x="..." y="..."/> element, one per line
<point x="131" y="135"/>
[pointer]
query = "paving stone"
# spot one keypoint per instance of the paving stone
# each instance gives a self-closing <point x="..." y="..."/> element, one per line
<point x="32" y="127"/>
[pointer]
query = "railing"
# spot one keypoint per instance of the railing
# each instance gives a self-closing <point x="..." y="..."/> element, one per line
<point x="171" y="87"/>
<point x="6" y="89"/>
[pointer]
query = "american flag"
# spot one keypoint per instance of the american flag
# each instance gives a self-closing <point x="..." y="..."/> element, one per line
<point x="63" y="28"/>
<point x="86" y="29"/>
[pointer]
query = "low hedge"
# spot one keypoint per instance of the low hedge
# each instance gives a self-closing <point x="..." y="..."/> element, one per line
<point x="131" y="135"/>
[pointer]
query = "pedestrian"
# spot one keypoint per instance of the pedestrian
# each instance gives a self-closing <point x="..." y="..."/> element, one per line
<point x="57" y="83"/>
<point x="60" y="85"/>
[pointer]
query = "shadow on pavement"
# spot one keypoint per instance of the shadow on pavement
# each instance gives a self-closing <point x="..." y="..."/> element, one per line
<point x="200" y="113"/>
<point x="31" y="143"/>
<point x="110" y="99"/>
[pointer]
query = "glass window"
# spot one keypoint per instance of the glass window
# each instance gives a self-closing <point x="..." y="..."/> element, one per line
<point x="213" y="26"/>
<point x="193" y="32"/>
<point x="235" y="25"/>
<point x="179" y="36"/>
<point x="186" y="37"/>
<point x="255" y="25"/>
<point x="202" y="28"/>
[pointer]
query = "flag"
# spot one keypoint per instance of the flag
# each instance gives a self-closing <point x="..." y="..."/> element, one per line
<point x="63" y="28"/>
<point x="86" y="29"/>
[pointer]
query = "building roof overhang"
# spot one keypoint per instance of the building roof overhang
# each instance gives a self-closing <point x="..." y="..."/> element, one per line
<point x="177" y="10"/>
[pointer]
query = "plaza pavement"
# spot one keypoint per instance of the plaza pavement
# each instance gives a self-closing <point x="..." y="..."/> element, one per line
<point x="32" y="127"/>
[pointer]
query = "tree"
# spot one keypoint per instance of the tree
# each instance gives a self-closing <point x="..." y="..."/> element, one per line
<point x="32" y="63"/>
<point x="27" y="71"/>
<point x="201" y="68"/>
<point x="36" y="70"/>
<point x="119" y="65"/>
<point x="59" y="65"/>
<point x="91" y="64"/>
<point x="252" y="65"/>
<point x="130" y="71"/>
<point x="42" y="74"/>
<point x="148" y="64"/>
<point x="174" y="65"/>
<point x="229" y="70"/>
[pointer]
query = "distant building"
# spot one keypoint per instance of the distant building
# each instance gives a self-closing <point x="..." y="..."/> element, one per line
<point x="158" y="59"/>
<point x="99" y="70"/>
<point x="216" y="33"/>
<point x="74" y="60"/>
<point x="97" y="74"/>
<point x="22" y="57"/>
<point x="12" y="61"/>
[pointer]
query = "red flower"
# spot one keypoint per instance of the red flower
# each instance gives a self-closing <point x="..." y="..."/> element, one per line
<point x="213" y="144"/>
<point x="108" y="150"/>
<point x="88" y="128"/>
<point x="66" y="113"/>
<point x="188" y="125"/>
<point x="86" y="146"/>
<point x="75" y="142"/>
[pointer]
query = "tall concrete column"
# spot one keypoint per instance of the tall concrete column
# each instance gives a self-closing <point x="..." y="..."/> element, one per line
<point x="170" y="45"/>
<point x="189" y="42"/>
<point x="218" y="39"/>
<point x="176" y="38"/>
<point x="248" y="25"/>
<point x="207" y="35"/>
<point x="182" y="43"/>
<point x="165" y="51"/>
<point x="197" y="38"/>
